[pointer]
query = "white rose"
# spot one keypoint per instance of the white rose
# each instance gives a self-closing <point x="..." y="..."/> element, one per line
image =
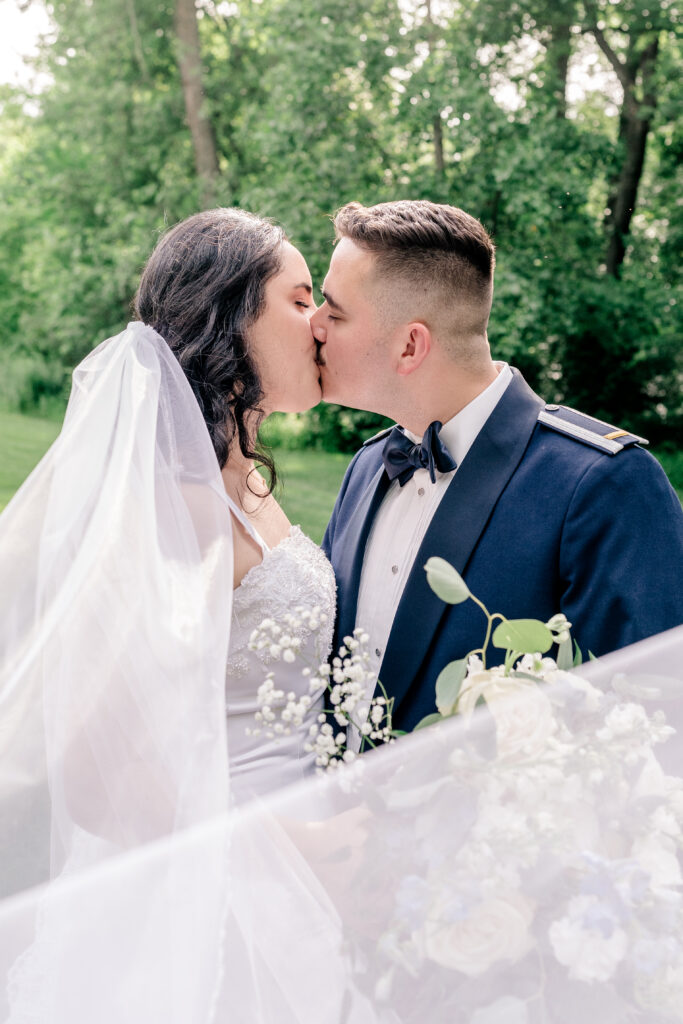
<point x="506" y="1010"/>
<point x="656" y="854"/>
<point x="591" y="954"/>
<point x="496" y="929"/>
<point x="522" y="713"/>
<point x="592" y="696"/>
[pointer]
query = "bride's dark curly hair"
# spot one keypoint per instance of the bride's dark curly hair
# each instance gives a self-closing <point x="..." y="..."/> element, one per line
<point x="202" y="288"/>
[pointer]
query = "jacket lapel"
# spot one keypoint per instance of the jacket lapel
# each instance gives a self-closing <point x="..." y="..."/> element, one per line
<point x="350" y="562"/>
<point x="455" y="529"/>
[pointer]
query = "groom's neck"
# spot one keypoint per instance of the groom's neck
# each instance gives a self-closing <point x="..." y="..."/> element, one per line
<point x="440" y="397"/>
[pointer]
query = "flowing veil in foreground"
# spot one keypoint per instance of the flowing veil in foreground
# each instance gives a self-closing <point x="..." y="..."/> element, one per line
<point x="520" y="863"/>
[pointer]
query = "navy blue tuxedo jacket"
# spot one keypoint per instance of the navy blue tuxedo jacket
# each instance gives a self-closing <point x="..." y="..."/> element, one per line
<point x="537" y="522"/>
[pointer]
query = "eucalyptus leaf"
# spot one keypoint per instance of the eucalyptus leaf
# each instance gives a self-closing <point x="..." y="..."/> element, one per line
<point x="428" y="720"/>
<point x="526" y="636"/>
<point x="578" y="656"/>
<point x="448" y="685"/>
<point x="446" y="582"/>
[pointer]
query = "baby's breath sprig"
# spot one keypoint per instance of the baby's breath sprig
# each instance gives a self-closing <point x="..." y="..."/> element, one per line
<point x="347" y="679"/>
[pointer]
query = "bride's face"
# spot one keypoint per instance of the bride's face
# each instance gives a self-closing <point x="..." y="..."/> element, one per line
<point x="281" y="340"/>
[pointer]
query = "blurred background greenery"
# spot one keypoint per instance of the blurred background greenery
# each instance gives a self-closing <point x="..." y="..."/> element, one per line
<point x="558" y="124"/>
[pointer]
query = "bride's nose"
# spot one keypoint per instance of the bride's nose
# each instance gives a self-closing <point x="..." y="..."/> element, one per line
<point x="319" y="332"/>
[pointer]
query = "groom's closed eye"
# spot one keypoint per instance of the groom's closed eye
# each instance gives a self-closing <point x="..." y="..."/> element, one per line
<point x="331" y="303"/>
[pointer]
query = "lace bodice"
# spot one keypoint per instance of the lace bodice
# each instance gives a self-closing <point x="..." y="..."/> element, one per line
<point x="294" y="573"/>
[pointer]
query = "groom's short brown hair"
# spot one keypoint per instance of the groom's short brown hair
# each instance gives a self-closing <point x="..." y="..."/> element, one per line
<point x="419" y="241"/>
<point x="432" y="262"/>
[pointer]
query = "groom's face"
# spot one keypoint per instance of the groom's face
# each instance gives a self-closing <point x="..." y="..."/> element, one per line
<point x="355" y="348"/>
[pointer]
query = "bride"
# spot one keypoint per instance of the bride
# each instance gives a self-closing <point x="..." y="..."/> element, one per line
<point x="233" y="300"/>
<point x="153" y="869"/>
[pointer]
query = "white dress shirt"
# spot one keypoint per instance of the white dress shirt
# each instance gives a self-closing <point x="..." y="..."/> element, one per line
<point x="404" y="516"/>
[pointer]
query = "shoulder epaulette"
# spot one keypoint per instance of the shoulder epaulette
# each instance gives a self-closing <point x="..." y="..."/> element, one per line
<point x="587" y="429"/>
<point x="377" y="437"/>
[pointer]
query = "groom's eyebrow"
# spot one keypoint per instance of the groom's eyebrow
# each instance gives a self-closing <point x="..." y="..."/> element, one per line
<point x="330" y="301"/>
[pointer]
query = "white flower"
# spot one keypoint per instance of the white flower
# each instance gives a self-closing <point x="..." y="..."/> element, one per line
<point x="495" y="929"/>
<point x="624" y="720"/>
<point x="506" y="1010"/>
<point x="588" y="941"/>
<point x="592" y="697"/>
<point x="376" y="713"/>
<point x="656" y="854"/>
<point x="521" y="710"/>
<point x="535" y="664"/>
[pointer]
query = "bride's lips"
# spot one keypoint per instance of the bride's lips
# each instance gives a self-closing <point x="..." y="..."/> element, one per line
<point x="319" y="353"/>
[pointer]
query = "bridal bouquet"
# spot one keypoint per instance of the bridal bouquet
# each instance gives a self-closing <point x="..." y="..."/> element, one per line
<point x="349" y="682"/>
<point x="534" y="851"/>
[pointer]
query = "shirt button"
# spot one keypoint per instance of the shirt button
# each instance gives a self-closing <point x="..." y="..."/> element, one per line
<point x="377" y="652"/>
<point x="394" y="569"/>
<point x="421" y="491"/>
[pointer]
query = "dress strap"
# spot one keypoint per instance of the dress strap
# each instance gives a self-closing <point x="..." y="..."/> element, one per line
<point x="249" y="527"/>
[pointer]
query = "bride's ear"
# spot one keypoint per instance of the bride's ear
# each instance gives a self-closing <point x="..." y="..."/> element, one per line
<point x="415" y="347"/>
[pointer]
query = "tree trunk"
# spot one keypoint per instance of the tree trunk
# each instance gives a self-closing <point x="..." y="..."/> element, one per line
<point x="190" y="64"/>
<point x="634" y="127"/>
<point x="437" y="127"/>
<point x="438" y="146"/>
<point x="559" y="53"/>
<point x="137" y="41"/>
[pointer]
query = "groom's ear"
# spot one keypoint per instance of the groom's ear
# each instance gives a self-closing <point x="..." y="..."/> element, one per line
<point x="416" y="343"/>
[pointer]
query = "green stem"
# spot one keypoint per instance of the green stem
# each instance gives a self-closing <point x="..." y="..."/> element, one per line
<point x="489" y="622"/>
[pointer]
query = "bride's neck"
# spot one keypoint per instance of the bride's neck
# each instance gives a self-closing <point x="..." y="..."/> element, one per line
<point x="241" y="478"/>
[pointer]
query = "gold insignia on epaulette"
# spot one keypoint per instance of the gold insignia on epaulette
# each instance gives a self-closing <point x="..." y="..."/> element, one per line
<point x="606" y="442"/>
<point x="615" y="434"/>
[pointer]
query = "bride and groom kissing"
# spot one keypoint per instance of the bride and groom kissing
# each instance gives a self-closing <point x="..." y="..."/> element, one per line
<point x="145" y="549"/>
<point x="541" y="508"/>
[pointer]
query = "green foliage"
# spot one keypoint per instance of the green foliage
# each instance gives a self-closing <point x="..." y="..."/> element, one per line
<point x="316" y="103"/>
<point x="446" y="582"/>
<point x="526" y="636"/>
<point x="329" y="427"/>
<point x="448" y="684"/>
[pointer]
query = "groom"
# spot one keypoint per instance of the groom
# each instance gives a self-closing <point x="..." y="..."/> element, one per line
<point x="542" y="509"/>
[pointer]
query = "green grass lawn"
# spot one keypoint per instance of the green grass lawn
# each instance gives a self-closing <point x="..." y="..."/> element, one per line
<point x="309" y="484"/>
<point x="23" y="442"/>
<point x="309" y="480"/>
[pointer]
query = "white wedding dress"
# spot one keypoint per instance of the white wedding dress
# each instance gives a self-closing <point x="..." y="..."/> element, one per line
<point x="521" y="865"/>
<point x="293" y="574"/>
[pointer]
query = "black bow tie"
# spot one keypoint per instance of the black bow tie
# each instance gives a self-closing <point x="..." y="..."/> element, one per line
<point x="402" y="457"/>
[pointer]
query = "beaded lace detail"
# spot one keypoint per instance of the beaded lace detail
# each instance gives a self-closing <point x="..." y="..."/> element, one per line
<point x="292" y="574"/>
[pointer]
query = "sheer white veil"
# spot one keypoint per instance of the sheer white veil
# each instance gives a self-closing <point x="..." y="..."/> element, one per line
<point x="519" y="865"/>
<point x="116" y="569"/>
